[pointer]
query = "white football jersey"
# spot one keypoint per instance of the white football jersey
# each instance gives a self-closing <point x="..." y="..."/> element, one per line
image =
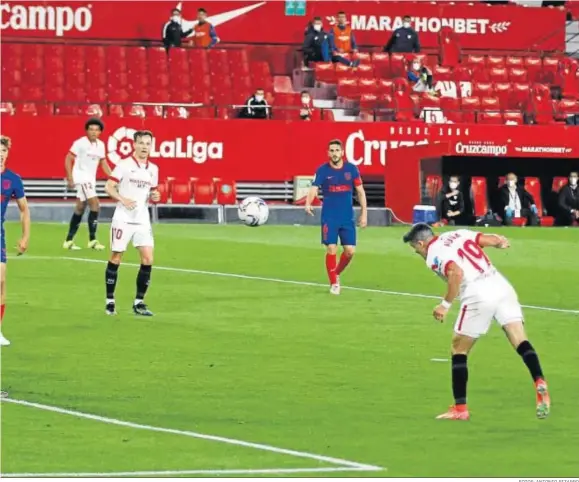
<point x="460" y="247"/>
<point x="87" y="156"/>
<point x="135" y="183"/>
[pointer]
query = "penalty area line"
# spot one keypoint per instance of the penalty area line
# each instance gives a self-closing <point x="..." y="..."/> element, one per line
<point x="341" y="463"/>
<point x="193" y="472"/>
<point x="299" y="283"/>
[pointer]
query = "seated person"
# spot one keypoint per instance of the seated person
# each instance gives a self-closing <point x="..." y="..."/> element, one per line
<point x="451" y="202"/>
<point x="256" y="106"/>
<point x="516" y="202"/>
<point x="342" y="37"/>
<point x="319" y="46"/>
<point x="307" y="111"/>
<point x="420" y="77"/>
<point x="569" y="202"/>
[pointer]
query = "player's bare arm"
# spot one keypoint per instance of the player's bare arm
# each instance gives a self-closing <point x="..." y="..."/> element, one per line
<point x="68" y="164"/>
<point x="25" y="222"/>
<point x="363" y="221"/>
<point x="454" y="279"/>
<point x="493" y="241"/>
<point x="312" y="194"/>
<point x="111" y="188"/>
<point x="105" y="167"/>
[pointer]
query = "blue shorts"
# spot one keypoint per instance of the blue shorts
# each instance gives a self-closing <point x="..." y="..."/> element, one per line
<point x="332" y="230"/>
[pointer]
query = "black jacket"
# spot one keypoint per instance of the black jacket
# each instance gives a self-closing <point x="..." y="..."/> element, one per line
<point x="453" y="203"/>
<point x="173" y="34"/>
<point x="316" y="46"/>
<point x="403" y="40"/>
<point x="526" y="199"/>
<point x="569" y="198"/>
<point x="256" y="109"/>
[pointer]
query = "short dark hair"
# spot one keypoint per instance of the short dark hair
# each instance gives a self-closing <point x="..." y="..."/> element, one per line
<point x="138" y="134"/>
<point x="335" y="142"/>
<point x="418" y="232"/>
<point x="94" y="121"/>
<point x="455" y="176"/>
<point x="6" y="142"/>
<point x="305" y="92"/>
<point x="176" y="10"/>
<point x="407" y="17"/>
<point x="201" y="10"/>
<point x="260" y="88"/>
<point x="341" y="12"/>
<point x="316" y="19"/>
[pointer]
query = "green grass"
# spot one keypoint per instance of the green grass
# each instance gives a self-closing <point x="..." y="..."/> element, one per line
<point x="281" y="364"/>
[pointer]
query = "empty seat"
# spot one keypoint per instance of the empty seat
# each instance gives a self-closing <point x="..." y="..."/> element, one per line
<point x="367" y="86"/>
<point x="398" y="65"/>
<point x="490" y="117"/>
<point x="451" y="108"/>
<point x="499" y="75"/>
<point x="558" y="183"/>
<point x="534" y="67"/>
<point x="442" y="73"/>
<point x="116" y="110"/>
<point x="164" y="192"/>
<point x="549" y="70"/>
<point x="348" y="88"/>
<point x="533" y="187"/>
<point x="94" y="110"/>
<point x="405" y="107"/>
<point x="502" y="90"/>
<point x="470" y="106"/>
<point x="542" y="108"/>
<point x="482" y="89"/>
<point x="490" y="103"/>
<point x="513" y="117"/>
<point x="433" y="187"/>
<point x="515" y="62"/>
<point x="495" y="61"/>
<point x="518" y="75"/>
<point x="474" y="61"/>
<point x="462" y="73"/>
<point x="478" y="194"/>
<point x="364" y="71"/>
<point x="177" y="113"/>
<point x="565" y="108"/>
<point x="226" y="192"/>
<point x="381" y="62"/>
<point x="449" y="47"/>
<point x="203" y="191"/>
<point x="325" y="72"/>
<point x="181" y="192"/>
<point x="519" y="98"/>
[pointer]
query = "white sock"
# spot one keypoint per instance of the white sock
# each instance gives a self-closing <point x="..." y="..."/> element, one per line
<point x="110" y="300"/>
<point x="137" y="301"/>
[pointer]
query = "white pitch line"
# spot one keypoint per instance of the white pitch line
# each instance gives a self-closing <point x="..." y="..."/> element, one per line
<point x="440" y="360"/>
<point x="190" y="472"/>
<point x="268" y="448"/>
<point x="300" y="283"/>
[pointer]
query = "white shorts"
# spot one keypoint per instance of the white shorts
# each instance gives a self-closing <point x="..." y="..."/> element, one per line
<point x="122" y="233"/>
<point x="86" y="190"/>
<point x="496" y="299"/>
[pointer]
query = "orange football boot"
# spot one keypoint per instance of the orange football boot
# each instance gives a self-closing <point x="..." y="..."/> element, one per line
<point x="455" y="412"/>
<point x="543" y="399"/>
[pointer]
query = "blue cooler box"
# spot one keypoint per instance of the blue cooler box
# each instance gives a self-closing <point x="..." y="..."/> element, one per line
<point x="424" y="214"/>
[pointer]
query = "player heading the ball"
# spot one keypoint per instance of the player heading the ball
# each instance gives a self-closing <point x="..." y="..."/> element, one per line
<point x="458" y="258"/>
<point x="132" y="183"/>
<point x="337" y="180"/>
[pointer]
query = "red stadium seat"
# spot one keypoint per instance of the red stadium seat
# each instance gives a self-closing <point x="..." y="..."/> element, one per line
<point x="181" y="192"/>
<point x="158" y="79"/>
<point x="226" y="192"/>
<point x="495" y="62"/>
<point x="368" y="104"/>
<point x="381" y="62"/>
<point x="474" y="61"/>
<point x="348" y="89"/>
<point x="398" y="65"/>
<point x="116" y="110"/>
<point x="441" y="73"/>
<point x="97" y="95"/>
<point x="513" y="117"/>
<point x="202" y="112"/>
<point x="94" y="110"/>
<point x="178" y="60"/>
<point x="164" y="191"/>
<point x="449" y="47"/>
<point x="568" y="79"/>
<point x="6" y="108"/>
<point x="31" y="93"/>
<point x="482" y="89"/>
<point x="462" y="74"/>
<point x="118" y="95"/>
<point x="550" y="70"/>
<point x="180" y="95"/>
<point x="137" y="61"/>
<point x="519" y="98"/>
<point x="558" y="183"/>
<point x="542" y="107"/>
<point x="451" y="108"/>
<point x="515" y="62"/>
<point x="177" y="113"/>
<point x="490" y="103"/>
<point x="367" y="86"/>
<point x="385" y="86"/>
<point x="478" y="194"/>
<point x="54" y="93"/>
<point x="490" y="117"/>
<point x="405" y="107"/>
<point x="433" y="186"/>
<point x="364" y="71"/>
<point x="470" y="106"/>
<point x="533" y="187"/>
<point x="219" y="62"/>
<point x="518" y="75"/>
<point x="499" y="75"/>
<point x="565" y="108"/>
<point x="203" y="191"/>
<point x="325" y="72"/>
<point x="238" y="61"/>
<point x="502" y="90"/>
<point x="158" y="95"/>
<point x="137" y="111"/>
<point x="154" y="111"/>
<point x="482" y="74"/>
<point x="158" y="58"/>
<point x="534" y="66"/>
<point x="198" y="61"/>
<point x="400" y="84"/>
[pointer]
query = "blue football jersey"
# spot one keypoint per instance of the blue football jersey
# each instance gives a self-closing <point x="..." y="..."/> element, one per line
<point x="337" y="187"/>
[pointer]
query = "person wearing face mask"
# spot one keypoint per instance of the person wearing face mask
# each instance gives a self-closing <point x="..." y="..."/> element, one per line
<point x="403" y="39"/>
<point x="569" y="201"/>
<point x="420" y="77"/>
<point x="451" y="202"/>
<point x="319" y="46"/>
<point x="307" y="111"/>
<point x="204" y="35"/>
<point x="517" y="202"/>
<point x="173" y="33"/>
<point x="256" y="106"/>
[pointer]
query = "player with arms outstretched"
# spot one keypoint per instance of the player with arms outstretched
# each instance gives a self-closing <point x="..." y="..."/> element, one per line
<point x="458" y="258"/>
<point x="81" y="164"/>
<point x="337" y="180"/>
<point x="132" y="183"/>
<point x="11" y="188"/>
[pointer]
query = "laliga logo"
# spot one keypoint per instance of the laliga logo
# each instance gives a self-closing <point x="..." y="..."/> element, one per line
<point x="120" y="146"/>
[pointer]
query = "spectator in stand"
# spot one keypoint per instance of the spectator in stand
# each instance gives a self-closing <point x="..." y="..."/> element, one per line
<point x="307" y="111"/>
<point x="404" y="39"/>
<point x="256" y="106"/>
<point x="569" y="201"/>
<point x="342" y="37"/>
<point x="420" y="77"/>
<point x="517" y="202"/>
<point x="451" y="204"/>
<point x="173" y="33"/>
<point x="204" y="35"/>
<point x="319" y="46"/>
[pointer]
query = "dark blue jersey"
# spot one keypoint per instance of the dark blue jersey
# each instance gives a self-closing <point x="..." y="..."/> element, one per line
<point x="12" y="187"/>
<point x="337" y="186"/>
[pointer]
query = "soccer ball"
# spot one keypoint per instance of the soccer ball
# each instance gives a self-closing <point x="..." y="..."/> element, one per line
<point x="253" y="211"/>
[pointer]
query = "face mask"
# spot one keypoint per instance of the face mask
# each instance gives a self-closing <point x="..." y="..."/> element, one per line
<point x="416" y="66"/>
<point x="406" y="24"/>
<point x="176" y="18"/>
<point x="305" y="100"/>
<point x="573" y="181"/>
<point x="512" y="183"/>
<point x="259" y="98"/>
<point x="317" y="28"/>
<point x="453" y="185"/>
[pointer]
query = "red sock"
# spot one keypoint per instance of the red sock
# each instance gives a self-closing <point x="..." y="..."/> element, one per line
<point x="2" y="308"/>
<point x="344" y="262"/>
<point x="331" y="267"/>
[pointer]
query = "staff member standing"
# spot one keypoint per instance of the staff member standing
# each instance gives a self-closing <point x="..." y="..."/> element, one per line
<point x="404" y="39"/>
<point x="173" y="33"/>
<point x="204" y="35"/>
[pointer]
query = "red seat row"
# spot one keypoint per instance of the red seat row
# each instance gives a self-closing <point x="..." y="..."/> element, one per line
<point x="198" y="191"/>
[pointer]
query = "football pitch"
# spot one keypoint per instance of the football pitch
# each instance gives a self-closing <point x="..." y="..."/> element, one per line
<point x="251" y="368"/>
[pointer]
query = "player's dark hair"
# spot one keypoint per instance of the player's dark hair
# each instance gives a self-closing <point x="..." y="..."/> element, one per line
<point x="6" y="142"/>
<point x="335" y="142"/>
<point x="201" y="10"/>
<point x="94" y="121"/>
<point x="144" y="133"/>
<point x="419" y="232"/>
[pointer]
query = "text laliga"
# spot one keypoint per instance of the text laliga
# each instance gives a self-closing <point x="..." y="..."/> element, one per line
<point x="356" y="144"/>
